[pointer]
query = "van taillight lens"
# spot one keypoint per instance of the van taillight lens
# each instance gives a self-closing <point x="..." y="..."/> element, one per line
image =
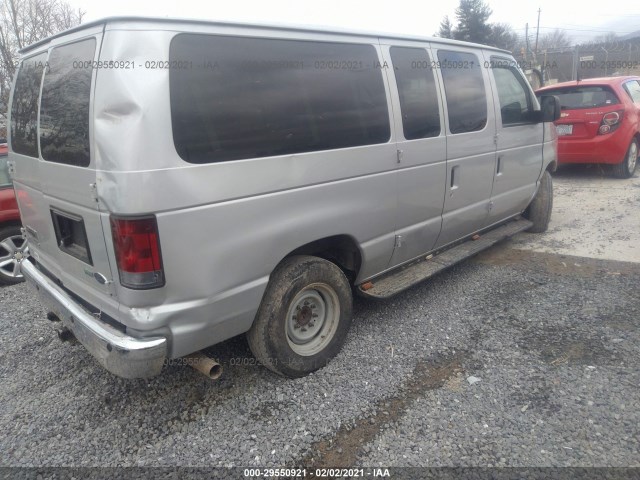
<point x="610" y="122"/>
<point x="137" y="247"/>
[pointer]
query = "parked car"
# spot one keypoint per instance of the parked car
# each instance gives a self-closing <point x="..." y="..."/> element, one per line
<point x="13" y="248"/>
<point x="215" y="179"/>
<point x="599" y="123"/>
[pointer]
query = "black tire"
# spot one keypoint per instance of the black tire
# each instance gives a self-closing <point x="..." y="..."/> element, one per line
<point x="297" y="279"/>
<point x="10" y="237"/>
<point x="539" y="210"/>
<point x="627" y="167"/>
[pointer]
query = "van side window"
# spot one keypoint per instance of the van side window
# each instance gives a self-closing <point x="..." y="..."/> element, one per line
<point x="417" y="91"/>
<point x="515" y="98"/>
<point x="240" y="97"/>
<point x="465" y="91"/>
<point x="24" y="109"/>
<point x="64" y="109"/>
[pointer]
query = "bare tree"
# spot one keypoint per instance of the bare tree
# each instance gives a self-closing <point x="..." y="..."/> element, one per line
<point x="23" y="22"/>
<point x="611" y="41"/>
<point x="503" y="36"/>
<point x="610" y="37"/>
<point x="554" y="40"/>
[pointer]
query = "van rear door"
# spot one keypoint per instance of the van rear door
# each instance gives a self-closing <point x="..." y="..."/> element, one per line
<point x="50" y="150"/>
<point x="422" y="149"/>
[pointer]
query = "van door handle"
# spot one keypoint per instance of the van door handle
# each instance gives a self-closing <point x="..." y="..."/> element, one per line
<point x="499" y="166"/>
<point x="454" y="179"/>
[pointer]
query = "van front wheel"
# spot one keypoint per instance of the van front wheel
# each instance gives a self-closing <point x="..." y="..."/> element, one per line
<point x="539" y="210"/>
<point x="304" y="317"/>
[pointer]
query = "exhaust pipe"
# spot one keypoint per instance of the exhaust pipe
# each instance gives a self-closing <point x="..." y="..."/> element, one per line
<point x="205" y="365"/>
<point x="66" y="335"/>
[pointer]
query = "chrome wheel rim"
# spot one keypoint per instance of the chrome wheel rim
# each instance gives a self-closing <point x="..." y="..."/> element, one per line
<point x="312" y="319"/>
<point x="13" y="250"/>
<point x="633" y="157"/>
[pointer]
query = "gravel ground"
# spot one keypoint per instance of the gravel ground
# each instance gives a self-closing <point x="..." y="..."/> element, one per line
<point x="553" y="340"/>
<point x="522" y="357"/>
<point x="594" y="215"/>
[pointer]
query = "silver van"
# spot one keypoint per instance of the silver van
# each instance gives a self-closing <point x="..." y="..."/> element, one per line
<point x="184" y="182"/>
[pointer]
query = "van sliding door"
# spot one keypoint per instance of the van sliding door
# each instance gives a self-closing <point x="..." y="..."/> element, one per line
<point x="421" y="149"/>
<point x="470" y="127"/>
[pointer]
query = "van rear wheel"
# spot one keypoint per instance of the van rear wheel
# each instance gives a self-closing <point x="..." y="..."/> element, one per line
<point x="304" y="317"/>
<point x="13" y="249"/>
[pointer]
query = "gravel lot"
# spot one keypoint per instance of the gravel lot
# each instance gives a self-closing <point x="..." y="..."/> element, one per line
<point x="553" y="339"/>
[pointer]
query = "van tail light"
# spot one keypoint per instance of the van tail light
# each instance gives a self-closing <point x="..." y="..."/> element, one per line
<point x="610" y="121"/>
<point x="137" y="247"/>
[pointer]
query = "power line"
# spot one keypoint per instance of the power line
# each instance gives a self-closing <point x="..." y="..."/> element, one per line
<point x="573" y="25"/>
<point x="580" y="30"/>
<point x="615" y="14"/>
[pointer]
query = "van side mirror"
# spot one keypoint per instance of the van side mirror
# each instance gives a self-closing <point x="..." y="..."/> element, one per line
<point x="550" y="108"/>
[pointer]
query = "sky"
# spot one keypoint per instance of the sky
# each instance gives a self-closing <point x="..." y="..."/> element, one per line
<point x="578" y="19"/>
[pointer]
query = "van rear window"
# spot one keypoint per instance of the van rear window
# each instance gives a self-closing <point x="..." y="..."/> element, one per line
<point x="235" y="97"/>
<point x="64" y="110"/>
<point x="587" y="96"/>
<point x="24" y="109"/>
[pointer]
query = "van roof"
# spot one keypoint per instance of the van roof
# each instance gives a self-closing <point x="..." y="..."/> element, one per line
<point x="314" y="29"/>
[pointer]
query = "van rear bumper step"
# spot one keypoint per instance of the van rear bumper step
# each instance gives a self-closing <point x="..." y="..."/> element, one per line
<point x="121" y="354"/>
<point x="396" y="281"/>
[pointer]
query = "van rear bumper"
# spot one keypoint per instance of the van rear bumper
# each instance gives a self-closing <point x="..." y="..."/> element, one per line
<point x="119" y="353"/>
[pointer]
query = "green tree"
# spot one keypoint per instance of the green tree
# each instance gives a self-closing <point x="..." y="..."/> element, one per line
<point x="446" y="29"/>
<point x="473" y="26"/>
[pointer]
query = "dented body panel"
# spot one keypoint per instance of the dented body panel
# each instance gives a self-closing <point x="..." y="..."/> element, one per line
<point x="224" y="227"/>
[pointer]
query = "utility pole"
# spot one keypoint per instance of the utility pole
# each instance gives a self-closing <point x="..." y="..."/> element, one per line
<point x="537" y="32"/>
<point x="575" y="70"/>
<point x="526" y="42"/>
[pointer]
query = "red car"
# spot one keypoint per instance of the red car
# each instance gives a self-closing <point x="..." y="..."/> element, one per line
<point x="599" y="123"/>
<point x="13" y="248"/>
